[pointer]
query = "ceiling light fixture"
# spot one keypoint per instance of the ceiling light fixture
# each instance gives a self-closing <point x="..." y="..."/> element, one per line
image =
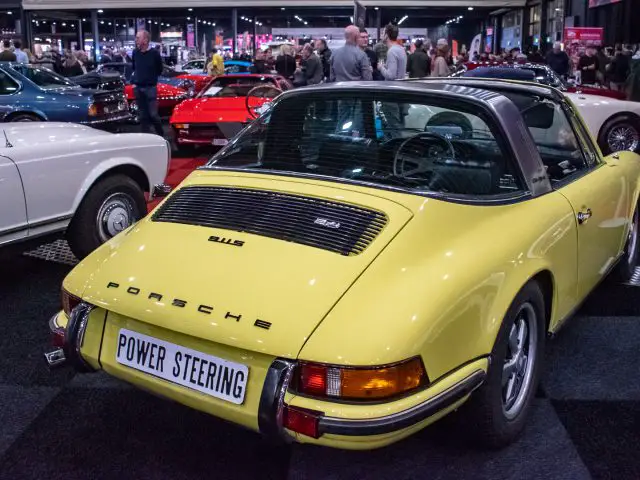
<point x="403" y="19"/>
<point x="470" y="8"/>
<point x="100" y="11"/>
<point x="191" y="9"/>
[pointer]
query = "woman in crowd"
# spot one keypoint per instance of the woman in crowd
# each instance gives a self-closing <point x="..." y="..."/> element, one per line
<point x="440" y="66"/>
<point x="286" y="62"/>
<point x="71" y="67"/>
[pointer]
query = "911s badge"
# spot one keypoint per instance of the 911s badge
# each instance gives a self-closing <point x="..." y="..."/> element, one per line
<point x="226" y="241"/>
<point x="327" y="223"/>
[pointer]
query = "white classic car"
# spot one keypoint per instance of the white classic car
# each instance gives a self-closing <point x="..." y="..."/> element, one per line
<point x="614" y="123"/>
<point x="61" y="177"/>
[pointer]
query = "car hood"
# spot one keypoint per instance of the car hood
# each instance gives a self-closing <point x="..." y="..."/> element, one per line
<point x="246" y="290"/>
<point x="164" y="91"/>
<point x="31" y="134"/>
<point x="213" y="110"/>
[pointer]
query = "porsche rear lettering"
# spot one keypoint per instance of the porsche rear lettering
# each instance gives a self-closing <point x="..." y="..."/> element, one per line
<point x="179" y="303"/>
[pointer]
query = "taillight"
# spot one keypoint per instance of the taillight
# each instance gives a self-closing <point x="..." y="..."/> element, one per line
<point x="69" y="301"/>
<point x="360" y="383"/>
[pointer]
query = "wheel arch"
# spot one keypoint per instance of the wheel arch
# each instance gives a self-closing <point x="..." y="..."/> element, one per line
<point x="612" y="119"/>
<point x="33" y="113"/>
<point x="128" y="167"/>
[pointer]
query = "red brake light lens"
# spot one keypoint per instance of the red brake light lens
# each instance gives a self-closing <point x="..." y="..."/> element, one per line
<point x="69" y="302"/>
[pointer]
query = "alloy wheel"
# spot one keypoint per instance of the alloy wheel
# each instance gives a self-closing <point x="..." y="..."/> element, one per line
<point x="623" y="137"/>
<point x="117" y="213"/>
<point x="518" y="368"/>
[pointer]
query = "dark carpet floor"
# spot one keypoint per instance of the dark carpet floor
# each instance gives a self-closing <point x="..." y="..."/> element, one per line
<point x="586" y="421"/>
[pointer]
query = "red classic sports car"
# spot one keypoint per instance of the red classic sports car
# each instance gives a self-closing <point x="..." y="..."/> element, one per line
<point x="168" y="98"/>
<point x="223" y="108"/>
<point x="545" y="75"/>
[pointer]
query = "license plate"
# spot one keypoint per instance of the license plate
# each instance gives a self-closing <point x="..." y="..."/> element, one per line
<point x="220" y="141"/>
<point x="181" y="365"/>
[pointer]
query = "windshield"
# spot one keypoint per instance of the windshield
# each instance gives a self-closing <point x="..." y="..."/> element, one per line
<point x="235" y="86"/>
<point x="42" y="77"/>
<point x="379" y="138"/>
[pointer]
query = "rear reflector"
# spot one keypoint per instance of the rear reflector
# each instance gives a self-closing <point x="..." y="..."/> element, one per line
<point x="302" y="421"/>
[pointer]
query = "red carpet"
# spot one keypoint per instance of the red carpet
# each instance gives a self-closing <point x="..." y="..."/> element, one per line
<point x="178" y="171"/>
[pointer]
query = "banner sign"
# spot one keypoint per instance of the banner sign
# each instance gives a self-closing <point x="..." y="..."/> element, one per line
<point x="191" y="38"/>
<point x="584" y="35"/>
<point x="359" y="15"/>
<point x="141" y="24"/>
<point x="599" y="3"/>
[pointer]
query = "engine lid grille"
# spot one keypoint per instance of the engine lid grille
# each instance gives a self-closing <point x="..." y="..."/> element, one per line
<point x="338" y="227"/>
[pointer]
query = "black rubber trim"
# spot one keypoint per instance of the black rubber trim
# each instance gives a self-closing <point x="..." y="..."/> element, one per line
<point x="272" y="398"/>
<point x="78" y="315"/>
<point x="407" y="418"/>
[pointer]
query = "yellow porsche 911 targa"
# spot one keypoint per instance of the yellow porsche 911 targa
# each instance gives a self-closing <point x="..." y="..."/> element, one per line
<point x="361" y="260"/>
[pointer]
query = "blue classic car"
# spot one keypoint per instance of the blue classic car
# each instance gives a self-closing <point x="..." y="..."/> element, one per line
<point x="29" y="93"/>
<point x="169" y="76"/>
<point x="235" y="67"/>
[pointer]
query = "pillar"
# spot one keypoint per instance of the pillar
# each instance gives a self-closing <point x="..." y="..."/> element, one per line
<point x="544" y="25"/>
<point x="255" y="35"/>
<point x="234" y="30"/>
<point x="96" y="35"/>
<point x="80" y="36"/>
<point x="378" y="23"/>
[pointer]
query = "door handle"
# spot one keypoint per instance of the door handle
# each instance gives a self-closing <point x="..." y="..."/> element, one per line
<point x="584" y="216"/>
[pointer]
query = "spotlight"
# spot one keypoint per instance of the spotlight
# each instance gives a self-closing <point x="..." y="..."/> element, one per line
<point x="100" y="11"/>
<point x="191" y="9"/>
<point x="470" y="8"/>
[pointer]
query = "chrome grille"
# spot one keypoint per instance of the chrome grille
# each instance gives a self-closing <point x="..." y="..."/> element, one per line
<point x="338" y="227"/>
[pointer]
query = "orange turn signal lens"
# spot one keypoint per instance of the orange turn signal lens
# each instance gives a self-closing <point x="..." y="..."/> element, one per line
<point x="181" y="126"/>
<point x="69" y="302"/>
<point x="361" y="383"/>
<point x="93" y="110"/>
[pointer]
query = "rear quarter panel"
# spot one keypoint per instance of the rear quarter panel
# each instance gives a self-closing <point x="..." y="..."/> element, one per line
<point x="595" y="110"/>
<point x="441" y="288"/>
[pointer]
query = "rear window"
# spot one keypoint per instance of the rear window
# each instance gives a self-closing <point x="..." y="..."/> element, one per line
<point x="379" y="138"/>
<point x="42" y="77"/>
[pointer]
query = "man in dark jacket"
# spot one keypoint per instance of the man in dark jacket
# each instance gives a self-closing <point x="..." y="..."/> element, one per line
<point x="558" y="60"/>
<point x="7" y="55"/>
<point x="419" y="62"/>
<point x="619" y="68"/>
<point x="311" y="66"/>
<point x="373" y="58"/>
<point x="147" y="67"/>
<point x="325" y="56"/>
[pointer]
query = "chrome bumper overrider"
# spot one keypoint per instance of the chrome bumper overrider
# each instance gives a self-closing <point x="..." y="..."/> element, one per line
<point x="74" y="336"/>
<point x="160" y="190"/>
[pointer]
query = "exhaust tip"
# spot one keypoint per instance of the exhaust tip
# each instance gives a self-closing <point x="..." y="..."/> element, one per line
<point x="55" y="358"/>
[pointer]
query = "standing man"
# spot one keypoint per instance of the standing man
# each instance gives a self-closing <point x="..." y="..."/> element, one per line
<point x="147" y="67"/>
<point x="21" y="57"/>
<point x="558" y="60"/>
<point x="588" y="66"/>
<point x="7" y="55"/>
<point x="419" y="62"/>
<point x="350" y="62"/>
<point x="311" y="66"/>
<point x="373" y="58"/>
<point x="325" y="56"/>
<point x="216" y="65"/>
<point x="396" y="64"/>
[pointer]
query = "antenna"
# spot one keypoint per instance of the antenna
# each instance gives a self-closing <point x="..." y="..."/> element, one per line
<point x="8" y="143"/>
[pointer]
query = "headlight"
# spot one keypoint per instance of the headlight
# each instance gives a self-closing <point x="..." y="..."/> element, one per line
<point x="359" y="383"/>
<point x="69" y="301"/>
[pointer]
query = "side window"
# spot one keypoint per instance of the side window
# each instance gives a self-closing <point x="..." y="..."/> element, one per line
<point x="590" y="150"/>
<point x="7" y="85"/>
<point x="559" y="147"/>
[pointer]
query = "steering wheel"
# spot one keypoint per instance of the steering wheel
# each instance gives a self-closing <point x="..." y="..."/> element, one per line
<point x="253" y="101"/>
<point x="400" y="159"/>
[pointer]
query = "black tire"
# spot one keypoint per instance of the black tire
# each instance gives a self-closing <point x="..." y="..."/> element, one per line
<point x="484" y="415"/>
<point x="627" y="264"/>
<point x="624" y="121"/>
<point x="116" y="200"/>
<point x="25" y="117"/>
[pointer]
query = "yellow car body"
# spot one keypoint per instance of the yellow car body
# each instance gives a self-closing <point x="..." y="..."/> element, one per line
<point x="435" y="284"/>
